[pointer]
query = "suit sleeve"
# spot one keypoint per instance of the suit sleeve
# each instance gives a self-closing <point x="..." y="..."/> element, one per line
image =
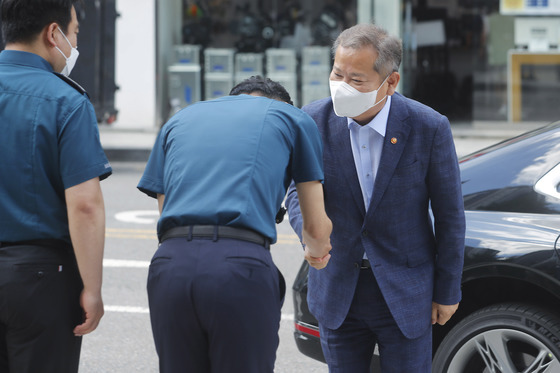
<point x="294" y="213"/>
<point x="449" y="216"/>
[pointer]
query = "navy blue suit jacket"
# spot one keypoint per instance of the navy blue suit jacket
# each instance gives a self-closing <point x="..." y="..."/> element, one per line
<point x="414" y="261"/>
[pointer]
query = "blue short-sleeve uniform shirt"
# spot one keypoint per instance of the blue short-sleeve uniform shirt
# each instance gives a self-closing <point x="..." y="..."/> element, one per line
<point x="230" y="160"/>
<point x="49" y="141"/>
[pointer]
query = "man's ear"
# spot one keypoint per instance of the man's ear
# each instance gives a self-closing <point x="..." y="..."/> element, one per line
<point x="392" y="82"/>
<point x="48" y="34"/>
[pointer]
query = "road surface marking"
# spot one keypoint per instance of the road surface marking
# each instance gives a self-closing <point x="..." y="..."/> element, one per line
<point x="128" y="309"/>
<point x="138" y="216"/>
<point x="118" y="263"/>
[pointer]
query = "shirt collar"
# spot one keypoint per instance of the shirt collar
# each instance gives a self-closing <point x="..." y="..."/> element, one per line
<point x="379" y="122"/>
<point x="24" y="58"/>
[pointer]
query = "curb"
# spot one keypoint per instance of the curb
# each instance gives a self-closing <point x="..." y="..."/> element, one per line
<point x="127" y="155"/>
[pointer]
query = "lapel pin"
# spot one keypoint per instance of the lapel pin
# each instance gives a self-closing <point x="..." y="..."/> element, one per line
<point x="394" y="140"/>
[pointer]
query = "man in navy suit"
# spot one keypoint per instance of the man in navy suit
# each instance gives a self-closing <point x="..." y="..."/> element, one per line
<point x="387" y="159"/>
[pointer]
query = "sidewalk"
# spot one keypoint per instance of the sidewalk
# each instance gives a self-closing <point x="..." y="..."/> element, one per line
<point x="488" y="129"/>
<point x="479" y="135"/>
<point x="126" y="145"/>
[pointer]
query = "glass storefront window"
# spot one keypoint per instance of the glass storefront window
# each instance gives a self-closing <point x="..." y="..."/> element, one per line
<point x="287" y="41"/>
<point x="475" y="60"/>
<point x="256" y="25"/>
<point x="459" y="55"/>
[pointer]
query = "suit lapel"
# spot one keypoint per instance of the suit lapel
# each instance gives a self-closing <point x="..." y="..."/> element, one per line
<point x="342" y="152"/>
<point x="394" y="143"/>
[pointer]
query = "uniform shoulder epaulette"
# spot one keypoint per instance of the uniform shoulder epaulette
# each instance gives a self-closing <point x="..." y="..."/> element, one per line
<point x="72" y="84"/>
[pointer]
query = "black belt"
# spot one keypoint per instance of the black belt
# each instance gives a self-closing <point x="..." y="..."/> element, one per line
<point x="215" y="232"/>
<point x="365" y="264"/>
<point x="44" y="242"/>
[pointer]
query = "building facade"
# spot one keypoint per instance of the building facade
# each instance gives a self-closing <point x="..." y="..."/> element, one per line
<point x="494" y="61"/>
<point x="472" y="60"/>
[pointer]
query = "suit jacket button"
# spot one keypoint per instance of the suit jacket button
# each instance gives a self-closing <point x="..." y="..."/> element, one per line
<point x="364" y="233"/>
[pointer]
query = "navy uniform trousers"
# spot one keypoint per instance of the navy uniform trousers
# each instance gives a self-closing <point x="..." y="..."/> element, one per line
<point x="39" y="308"/>
<point x="349" y="348"/>
<point x="215" y="306"/>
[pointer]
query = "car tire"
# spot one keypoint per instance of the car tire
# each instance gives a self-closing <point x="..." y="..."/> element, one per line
<point x="502" y="338"/>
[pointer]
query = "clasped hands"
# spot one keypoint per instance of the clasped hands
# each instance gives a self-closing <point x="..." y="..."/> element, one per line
<point x="316" y="262"/>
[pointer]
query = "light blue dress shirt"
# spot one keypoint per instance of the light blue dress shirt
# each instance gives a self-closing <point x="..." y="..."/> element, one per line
<point x="367" y="143"/>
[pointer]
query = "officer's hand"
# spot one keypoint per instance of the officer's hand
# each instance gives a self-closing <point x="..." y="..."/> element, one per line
<point x="92" y="305"/>
<point x="441" y="313"/>
<point x="317" y="263"/>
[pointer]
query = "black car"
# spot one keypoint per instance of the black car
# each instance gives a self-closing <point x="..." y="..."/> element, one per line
<point x="509" y="317"/>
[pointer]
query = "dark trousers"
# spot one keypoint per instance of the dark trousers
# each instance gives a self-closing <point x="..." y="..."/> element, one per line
<point x="349" y="348"/>
<point x="214" y="306"/>
<point x="39" y="308"/>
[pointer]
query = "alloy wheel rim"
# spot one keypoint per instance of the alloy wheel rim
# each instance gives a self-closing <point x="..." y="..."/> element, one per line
<point x="504" y="351"/>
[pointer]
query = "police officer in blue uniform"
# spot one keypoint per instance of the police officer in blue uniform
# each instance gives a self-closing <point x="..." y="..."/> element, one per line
<point x="220" y="170"/>
<point x="52" y="219"/>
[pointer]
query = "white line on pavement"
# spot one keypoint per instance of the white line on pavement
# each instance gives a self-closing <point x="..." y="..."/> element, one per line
<point x="288" y="317"/>
<point x="118" y="263"/>
<point x="127" y="309"/>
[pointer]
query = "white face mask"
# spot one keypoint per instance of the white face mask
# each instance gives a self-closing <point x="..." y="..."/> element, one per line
<point x="70" y="61"/>
<point x="349" y="102"/>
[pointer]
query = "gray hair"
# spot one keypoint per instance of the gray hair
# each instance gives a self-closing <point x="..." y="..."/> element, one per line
<point x="388" y="47"/>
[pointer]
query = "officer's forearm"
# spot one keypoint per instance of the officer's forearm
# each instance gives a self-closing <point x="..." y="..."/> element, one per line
<point x="160" y="200"/>
<point x="317" y="226"/>
<point x="86" y="219"/>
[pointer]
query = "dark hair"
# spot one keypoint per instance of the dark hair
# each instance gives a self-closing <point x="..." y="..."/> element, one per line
<point x="23" y="20"/>
<point x="265" y="86"/>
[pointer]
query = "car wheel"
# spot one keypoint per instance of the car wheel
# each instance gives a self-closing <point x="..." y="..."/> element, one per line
<point x="505" y="338"/>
